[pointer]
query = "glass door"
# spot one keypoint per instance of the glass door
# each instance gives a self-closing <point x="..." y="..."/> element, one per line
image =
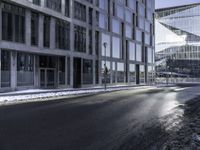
<point x="47" y="78"/>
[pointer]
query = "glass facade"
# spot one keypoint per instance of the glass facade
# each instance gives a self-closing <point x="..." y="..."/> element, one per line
<point x="177" y="46"/>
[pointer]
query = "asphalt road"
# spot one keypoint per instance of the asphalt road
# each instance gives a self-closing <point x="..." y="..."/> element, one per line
<point x="120" y="120"/>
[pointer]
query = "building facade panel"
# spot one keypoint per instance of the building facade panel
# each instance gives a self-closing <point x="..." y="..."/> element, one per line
<point x="68" y="43"/>
<point x="178" y="45"/>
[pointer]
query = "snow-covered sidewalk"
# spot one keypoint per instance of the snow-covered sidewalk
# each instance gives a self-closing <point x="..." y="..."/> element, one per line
<point x="43" y="95"/>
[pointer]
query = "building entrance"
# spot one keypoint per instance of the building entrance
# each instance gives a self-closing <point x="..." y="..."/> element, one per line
<point x="47" y="78"/>
<point x="47" y="71"/>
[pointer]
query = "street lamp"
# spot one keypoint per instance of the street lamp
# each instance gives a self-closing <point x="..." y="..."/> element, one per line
<point x="105" y="44"/>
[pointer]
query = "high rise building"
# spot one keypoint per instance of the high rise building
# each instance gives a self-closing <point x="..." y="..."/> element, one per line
<point x="178" y="41"/>
<point x="65" y="43"/>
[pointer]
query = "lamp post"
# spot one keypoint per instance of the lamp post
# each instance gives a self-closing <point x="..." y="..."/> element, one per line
<point x="105" y="68"/>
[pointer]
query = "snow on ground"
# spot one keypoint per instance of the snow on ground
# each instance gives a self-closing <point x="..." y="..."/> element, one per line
<point x="37" y="94"/>
<point x="186" y="135"/>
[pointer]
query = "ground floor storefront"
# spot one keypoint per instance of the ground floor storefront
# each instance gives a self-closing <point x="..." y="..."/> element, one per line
<point x="23" y="70"/>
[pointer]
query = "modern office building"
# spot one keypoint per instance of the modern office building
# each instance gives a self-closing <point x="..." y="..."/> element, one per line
<point x="65" y="43"/>
<point x="178" y="41"/>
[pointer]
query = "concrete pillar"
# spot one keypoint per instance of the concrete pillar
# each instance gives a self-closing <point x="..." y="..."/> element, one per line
<point x="13" y="69"/>
<point x="66" y="73"/>
<point x="94" y="71"/>
<point x="71" y="37"/>
<point x="52" y="33"/>
<point x="28" y="27"/>
<point x="71" y="71"/>
<point x="36" y="71"/>
<point x="100" y="72"/>
<point x="41" y="31"/>
<point x="87" y="31"/>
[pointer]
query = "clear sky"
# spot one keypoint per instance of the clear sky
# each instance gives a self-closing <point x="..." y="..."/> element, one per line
<point x="170" y="3"/>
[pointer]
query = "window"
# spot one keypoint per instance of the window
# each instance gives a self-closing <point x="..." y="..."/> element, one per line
<point x="116" y="47"/>
<point x="54" y="5"/>
<point x="129" y="31"/>
<point x="116" y="26"/>
<point x="106" y="39"/>
<point x="37" y="2"/>
<point x="47" y="31"/>
<point x="79" y="11"/>
<point x="90" y="16"/>
<point x="138" y="52"/>
<point x="25" y="69"/>
<point x="120" y="11"/>
<point x="142" y="74"/>
<point x="67" y="8"/>
<point x="62" y="70"/>
<point x="7" y="30"/>
<point x="12" y="14"/>
<point x="5" y="68"/>
<point x="132" y="73"/>
<point x="120" y="72"/>
<point x="34" y="28"/>
<point x="62" y="35"/>
<point x="79" y="38"/>
<point x="150" y="55"/>
<point x="87" y="71"/>
<point x="131" y="51"/>
<point x="97" y="42"/>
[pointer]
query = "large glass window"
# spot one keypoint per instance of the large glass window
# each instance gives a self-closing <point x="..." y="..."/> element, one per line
<point x="67" y="8"/>
<point x="132" y="73"/>
<point x="114" y="73"/>
<point x="79" y="38"/>
<point x="116" y="47"/>
<point x="131" y="51"/>
<point x="79" y="11"/>
<point x="129" y="31"/>
<point x="90" y="45"/>
<point x="128" y="16"/>
<point x="120" y="72"/>
<point x="54" y="5"/>
<point x="37" y="2"/>
<point x="13" y="23"/>
<point x="106" y="39"/>
<point x="138" y="35"/>
<point x="116" y="26"/>
<point x="25" y="69"/>
<point x="62" y="35"/>
<point x="142" y="74"/>
<point x="120" y="11"/>
<point x="138" y="52"/>
<point x="87" y="71"/>
<point x="102" y="4"/>
<point x="5" y="68"/>
<point x="46" y="31"/>
<point x="34" y="28"/>
<point x="102" y="21"/>
<point x="150" y="55"/>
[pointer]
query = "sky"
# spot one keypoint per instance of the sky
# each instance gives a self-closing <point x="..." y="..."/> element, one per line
<point x="170" y="3"/>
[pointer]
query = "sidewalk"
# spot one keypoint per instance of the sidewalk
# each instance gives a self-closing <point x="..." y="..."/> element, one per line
<point x="50" y="94"/>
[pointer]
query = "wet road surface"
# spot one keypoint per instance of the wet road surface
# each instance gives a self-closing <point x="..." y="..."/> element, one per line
<point x="120" y="120"/>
